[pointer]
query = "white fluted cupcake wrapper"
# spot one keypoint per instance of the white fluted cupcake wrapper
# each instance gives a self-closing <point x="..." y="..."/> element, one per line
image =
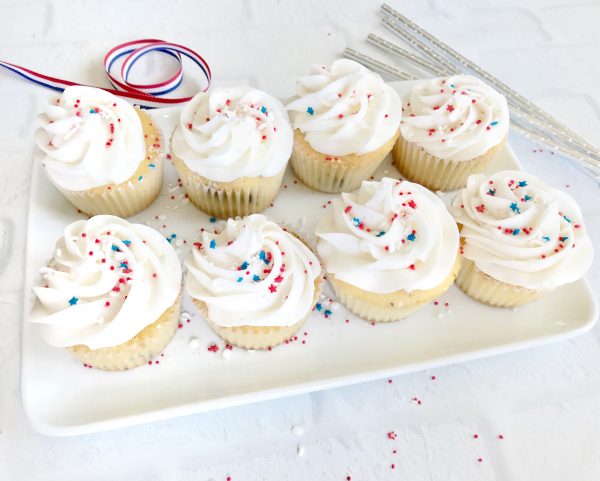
<point x="146" y="345"/>
<point x="328" y="173"/>
<point x="488" y="290"/>
<point x="417" y="165"/>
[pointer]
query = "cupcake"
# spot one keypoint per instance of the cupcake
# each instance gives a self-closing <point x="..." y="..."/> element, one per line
<point x="388" y="249"/>
<point x="254" y="282"/>
<point x="231" y="148"/>
<point x="451" y="128"/>
<point x="346" y="120"/>
<point x="110" y="294"/>
<point x="520" y="238"/>
<point x="100" y="152"/>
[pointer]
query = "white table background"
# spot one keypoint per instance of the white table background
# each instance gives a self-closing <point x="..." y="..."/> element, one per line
<point x="544" y="401"/>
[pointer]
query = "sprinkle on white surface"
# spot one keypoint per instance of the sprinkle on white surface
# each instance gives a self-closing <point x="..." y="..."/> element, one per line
<point x="297" y="430"/>
<point x="300" y="450"/>
<point x="194" y="343"/>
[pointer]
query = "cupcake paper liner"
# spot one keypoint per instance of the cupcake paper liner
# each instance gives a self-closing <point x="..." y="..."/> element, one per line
<point x="133" y="195"/>
<point x="488" y="290"/>
<point x="241" y="197"/>
<point x="417" y="165"/>
<point x="335" y="174"/>
<point x="388" y="307"/>
<point x="144" y="346"/>
<point x="257" y="337"/>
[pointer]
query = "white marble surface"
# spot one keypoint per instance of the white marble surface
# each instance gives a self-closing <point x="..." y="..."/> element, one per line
<point x="544" y="401"/>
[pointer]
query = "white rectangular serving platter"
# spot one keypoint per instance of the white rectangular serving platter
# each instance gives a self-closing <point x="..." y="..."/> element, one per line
<point x="61" y="397"/>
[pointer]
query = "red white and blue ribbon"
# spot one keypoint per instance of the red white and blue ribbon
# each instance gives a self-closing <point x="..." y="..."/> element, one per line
<point x="145" y="95"/>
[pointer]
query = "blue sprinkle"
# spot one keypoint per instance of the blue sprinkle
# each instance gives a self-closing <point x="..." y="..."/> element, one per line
<point x="173" y="236"/>
<point x="240" y="279"/>
<point x="213" y="220"/>
<point x="310" y="111"/>
<point x="263" y="109"/>
<point x="495" y="122"/>
<point x="92" y="111"/>
<point x="546" y="238"/>
<point x="515" y="208"/>
<point x="516" y="231"/>
<point x="411" y="237"/>
<point x="262" y="255"/>
<point x="523" y="183"/>
<point x="168" y="239"/>
<point x="356" y="220"/>
<point x="140" y="178"/>
<point x="115" y="248"/>
<point x="492" y="192"/>
<point x="213" y="244"/>
<point x="380" y="234"/>
<point x="318" y="306"/>
<point x="567" y="219"/>
<point x="73" y="300"/>
<point x="151" y="165"/>
<point x="255" y="278"/>
<point x="564" y="238"/>
<point x="127" y="242"/>
<point x="452" y="86"/>
<point x="527" y="197"/>
<point x="124" y="265"/>
<point x="327" y="313"/>
<point x="244" y="265"/>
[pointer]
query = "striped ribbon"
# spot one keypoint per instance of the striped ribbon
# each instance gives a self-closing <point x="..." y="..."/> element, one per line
<point x="145" y="95"/>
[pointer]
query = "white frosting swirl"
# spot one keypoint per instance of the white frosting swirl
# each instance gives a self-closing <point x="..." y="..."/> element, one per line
<point x="233" y="132"/>
<point x="520" y="231"/>
<point x="345" y="109"/>
<point x="456" y="118"/>
<point x="253" y="274"/>
<point x="91" y="138"/>
<point x="108" y="280"/>
<point x="390" y="235"/>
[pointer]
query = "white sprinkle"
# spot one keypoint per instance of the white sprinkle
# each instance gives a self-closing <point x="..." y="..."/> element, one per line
<point x="385" y="172"/>
<point x="179" y="242"/>
<point x="439" y="193"/>
<point x="300" y="450"/>
<point x="173" y="189"/>
<point x="440" y="315"/>
<point x="162" y="216"/>
<point x="194" y="343"/>
<point x="226" y="354"/>
<point x="297" y="430"/>
<point x="185" y="315"/>
<point x="335" y="306"/>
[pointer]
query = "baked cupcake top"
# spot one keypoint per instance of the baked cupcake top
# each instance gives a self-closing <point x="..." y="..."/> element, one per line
<point x="456" y="118"/>
<point x="253" y="274"/>
<point x="345" y="109"/>
<point x="390" y="235"/>
<point x="90" y="138"/>
<point x="108" y="280"/>
<point x="233" y="132"/>
<point x="520" y="231"/>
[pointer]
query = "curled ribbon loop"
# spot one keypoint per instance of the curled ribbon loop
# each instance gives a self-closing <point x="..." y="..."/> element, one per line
<point x="145" y="95"/>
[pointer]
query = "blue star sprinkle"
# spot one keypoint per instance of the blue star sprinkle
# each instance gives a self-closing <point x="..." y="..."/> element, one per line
<point x="73" y="300"/>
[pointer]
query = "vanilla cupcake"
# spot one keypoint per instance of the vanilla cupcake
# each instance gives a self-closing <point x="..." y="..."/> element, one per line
<point x="255" y="283"/>
<point x="451" y="127"/>
<point x="110" y="294"/>
<point x="388" y="249"/>
<point x="231" y="148"/>
<point x="346" y="120"/>
<point x="103" y="154"/>
<point x="520" y="238"/>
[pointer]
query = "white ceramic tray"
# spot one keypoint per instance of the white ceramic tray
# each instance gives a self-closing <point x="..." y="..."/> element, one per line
<point x="61" y="397"/>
